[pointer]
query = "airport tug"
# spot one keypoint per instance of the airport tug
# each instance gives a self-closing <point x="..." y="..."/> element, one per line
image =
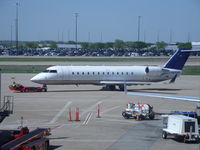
<point x="138" y="111"/>
<point x="21" y="88"/>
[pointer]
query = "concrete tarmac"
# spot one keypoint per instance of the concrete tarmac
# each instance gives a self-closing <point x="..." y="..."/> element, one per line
<point x="109" y="132"/>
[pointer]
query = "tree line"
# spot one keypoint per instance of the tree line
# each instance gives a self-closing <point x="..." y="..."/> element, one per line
<point x="117" y="44"/>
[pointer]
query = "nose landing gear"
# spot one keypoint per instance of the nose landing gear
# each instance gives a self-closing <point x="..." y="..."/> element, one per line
<point x="45" y="87"/>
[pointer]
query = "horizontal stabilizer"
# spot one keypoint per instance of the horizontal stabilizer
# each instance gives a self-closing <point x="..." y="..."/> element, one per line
<point x="190" y="50"/>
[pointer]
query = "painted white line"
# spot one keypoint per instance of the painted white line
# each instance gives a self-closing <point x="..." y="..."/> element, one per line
<point x="118" y="121"/>
<point x="183" y="98"/>
<point x="110" y="109"/>
<point x="87" y="119"/>
<point x="60" y="113"/>
<point x="36" y="110"/>
<point x="84" y="140"/>
<point x="90" y="108"/>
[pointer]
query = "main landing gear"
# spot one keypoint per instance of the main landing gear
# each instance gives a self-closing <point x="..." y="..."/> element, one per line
<point x="113" y="87"/>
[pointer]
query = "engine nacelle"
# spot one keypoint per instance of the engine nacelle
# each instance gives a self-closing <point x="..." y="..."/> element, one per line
<point x="153" y="70"/>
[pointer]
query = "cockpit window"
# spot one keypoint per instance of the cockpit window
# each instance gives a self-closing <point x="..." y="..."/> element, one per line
<point x="50" y="71"/>
<point x="53" y="71"/>
<point x="46" y="71"/>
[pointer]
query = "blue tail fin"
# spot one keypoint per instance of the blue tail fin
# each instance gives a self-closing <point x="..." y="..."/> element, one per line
<point x="177" y="61"/>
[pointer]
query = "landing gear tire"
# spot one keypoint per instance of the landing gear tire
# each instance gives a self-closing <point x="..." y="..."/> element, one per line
<point x="109" y="87"/>
<point x="164" y="135"/>
<point x="125" y="115"/>
<point x="45" y="88"/>
<point x="112" y="87"/>
<point x="151" y="116"/>
<point x="121" y="87"/>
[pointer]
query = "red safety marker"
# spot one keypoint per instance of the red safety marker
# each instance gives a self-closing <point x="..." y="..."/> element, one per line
<point x="70" y="115"/>
<point x="138" y="118"/>
<point x="98" y="111"/>
<point x="22" y="121"/>
<point x="77" y="114"/>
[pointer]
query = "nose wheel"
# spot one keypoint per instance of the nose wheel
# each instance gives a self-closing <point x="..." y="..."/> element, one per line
<point x="45" y="87"/>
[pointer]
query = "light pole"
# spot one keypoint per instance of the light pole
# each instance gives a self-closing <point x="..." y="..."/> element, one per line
<point x="17" y="4"/>
<point x="11" y="36"/>
<point x="68" y="35"/>
<point x="76" y="28"/>
<point x="139" y="17"/>
<point x="101" y="38"/>
<point x="144" y="36"/>
<point x="158" y="36"/>
<point x="88" y="37"/>
<point x="170" y="36"/>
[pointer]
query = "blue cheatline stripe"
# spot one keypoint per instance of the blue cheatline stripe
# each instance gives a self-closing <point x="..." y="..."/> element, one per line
<point x="177" y="61"/>
<point x="183" y="98"/>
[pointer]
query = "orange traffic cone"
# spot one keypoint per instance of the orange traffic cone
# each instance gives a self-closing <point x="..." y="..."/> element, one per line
<point x="98" y="111"/>
<point x="70" y="115"/>
<point x="77" y="114"/>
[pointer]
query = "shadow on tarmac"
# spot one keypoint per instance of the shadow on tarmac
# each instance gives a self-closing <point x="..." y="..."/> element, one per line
<point x="73" y="91"/>
<point x="155" y="90"/>
<point x="52" y="147"/>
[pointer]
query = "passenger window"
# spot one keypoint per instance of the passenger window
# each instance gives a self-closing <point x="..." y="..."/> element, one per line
<point x="73" y="73"/>
<point x="113" y="73"/>
<point x="82" y="73"/>
<point x="122" y="73"/>
<point x="77" y="73"/>
<point x="117" y="73"/>
<point x="126" y="73"/>
<point x="98" y="73"/>
<point x="93" y="73"/>
<point x="107" y="73"/>
<point x="103" y="73"/>
<point x="131" y="73"/>
<point x="88" y="73"/>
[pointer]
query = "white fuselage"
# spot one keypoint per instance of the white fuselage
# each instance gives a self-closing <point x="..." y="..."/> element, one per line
<point x="99" y="74"/>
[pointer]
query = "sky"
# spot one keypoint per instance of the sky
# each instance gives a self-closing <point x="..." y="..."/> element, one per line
<point x="101" y="20"/>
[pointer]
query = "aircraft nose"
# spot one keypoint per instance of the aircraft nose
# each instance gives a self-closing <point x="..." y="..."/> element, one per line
<point x="35" y="79"/>
<point x="38" y="79"/>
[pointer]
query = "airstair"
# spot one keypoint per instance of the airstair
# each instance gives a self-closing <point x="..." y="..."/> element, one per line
<point x="6" y="107"/>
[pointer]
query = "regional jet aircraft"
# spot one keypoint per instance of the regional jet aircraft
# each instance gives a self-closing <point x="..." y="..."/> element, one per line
<point x="112" y="76"/>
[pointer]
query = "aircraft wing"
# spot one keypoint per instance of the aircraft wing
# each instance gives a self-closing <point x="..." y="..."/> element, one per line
<point x="183" y="98"/>
<point x="126" y="82"/>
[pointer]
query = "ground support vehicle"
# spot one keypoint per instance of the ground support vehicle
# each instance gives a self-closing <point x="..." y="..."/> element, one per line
<point x="198" y="113"/>
<point x="138" y="111"/>
<point x="24" y="140"/>
<point x="193" y="114"/>
<point x="6" y="107"/>
<point x="182" y="127"/>
<point x="21" y="88"/>
<point x="185" y="113"/>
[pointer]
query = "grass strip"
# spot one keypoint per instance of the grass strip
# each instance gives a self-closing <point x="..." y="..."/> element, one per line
<point x="83" y="59"/>
<point x="188" y="70"/>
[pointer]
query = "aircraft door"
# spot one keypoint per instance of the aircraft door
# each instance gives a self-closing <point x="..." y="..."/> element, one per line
<point x="65" y="73"/>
